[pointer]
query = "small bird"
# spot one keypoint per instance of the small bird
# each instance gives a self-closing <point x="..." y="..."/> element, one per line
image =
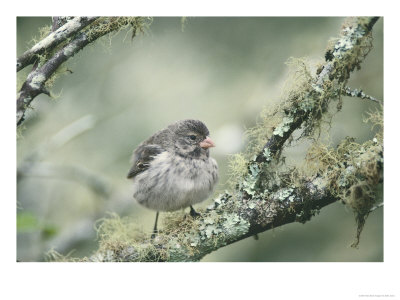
<point x="173" y="169"/>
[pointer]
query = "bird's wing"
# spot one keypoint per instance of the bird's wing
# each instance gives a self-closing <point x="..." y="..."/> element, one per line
<point x="142" y="157"/>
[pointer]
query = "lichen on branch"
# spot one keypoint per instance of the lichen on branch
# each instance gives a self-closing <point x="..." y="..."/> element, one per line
<point x="52" y="40"/>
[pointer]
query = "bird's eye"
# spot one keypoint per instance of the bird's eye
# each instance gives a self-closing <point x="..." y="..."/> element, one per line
<point x="192" y="137"/>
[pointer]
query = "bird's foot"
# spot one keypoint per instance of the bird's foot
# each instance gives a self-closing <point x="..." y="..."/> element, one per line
<point x="153" y="236"/>
<point x="193" y="213"/>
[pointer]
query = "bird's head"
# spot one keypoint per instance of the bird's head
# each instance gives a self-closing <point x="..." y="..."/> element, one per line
<point x="191" y="138"/>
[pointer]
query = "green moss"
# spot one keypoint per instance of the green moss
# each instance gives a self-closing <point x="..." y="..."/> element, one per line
<point x="121" y="239"/>
<point x="237" y="168"/>
<point x="352" y="170"/>
<point x="113" y="25"/>
<point x="42" y="33"/>
<point x="53" y="256"/>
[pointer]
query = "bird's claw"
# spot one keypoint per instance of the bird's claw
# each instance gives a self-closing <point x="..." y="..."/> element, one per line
<point x="193" y="213"/>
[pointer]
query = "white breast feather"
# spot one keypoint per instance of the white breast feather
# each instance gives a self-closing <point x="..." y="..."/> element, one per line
<point x="172" y="182"/>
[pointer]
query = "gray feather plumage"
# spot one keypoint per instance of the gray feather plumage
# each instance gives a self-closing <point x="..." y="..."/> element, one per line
<point x="170" y="170"/>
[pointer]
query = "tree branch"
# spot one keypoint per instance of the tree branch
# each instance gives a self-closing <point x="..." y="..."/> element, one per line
<point x="341" y="61"/>
<point x="231" y="219"/>
<point x="265" y="199"/>
<point x="359" y="93"/>
<point x="35" y="82"/>
<point x="53" y="39"/>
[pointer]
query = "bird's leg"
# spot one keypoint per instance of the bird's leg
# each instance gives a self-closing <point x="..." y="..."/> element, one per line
<point x="193" y="213"/>
<point x="155" y="231"/>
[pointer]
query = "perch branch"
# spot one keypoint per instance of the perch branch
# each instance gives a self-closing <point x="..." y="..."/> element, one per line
<point x="229" y="220"/>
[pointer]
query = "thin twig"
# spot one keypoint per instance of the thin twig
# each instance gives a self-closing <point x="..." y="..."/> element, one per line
<point x="376" y="207"/>
<point x="358" y="93"/>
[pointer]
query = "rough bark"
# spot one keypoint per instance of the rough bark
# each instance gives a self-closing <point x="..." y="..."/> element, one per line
<point x="53" y="39"/>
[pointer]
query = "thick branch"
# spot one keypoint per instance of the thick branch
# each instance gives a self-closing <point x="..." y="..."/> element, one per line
<point x="339" y="64"/>
<point x="231" y="219"/>
<point x="34" y="85"/>
<point x="53" y="40"/>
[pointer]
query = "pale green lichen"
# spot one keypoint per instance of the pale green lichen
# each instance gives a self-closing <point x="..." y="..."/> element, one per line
<point x="283" y="127"/>
<point x="283" y="194"/>
<point x="316" y="87"/>
<point x="351" y="49"/>
<point x="254" y="169"/>
<point x="69" y="50"/>
<point x="267" y="154"/>
<point x="210" y="230"/>
<point x="348" y="41"/>
<point x="213" y="232"/>
<point x="235" y="225"/>
<point x="251" y="204"/>
<point x="37" y="81"/>
<point x="307" y="104"/>
<point x="209" y="220"/>
<point x="249" y="184"/>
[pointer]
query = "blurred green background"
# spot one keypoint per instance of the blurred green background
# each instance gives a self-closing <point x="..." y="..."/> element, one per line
<point x="73" y="154"/>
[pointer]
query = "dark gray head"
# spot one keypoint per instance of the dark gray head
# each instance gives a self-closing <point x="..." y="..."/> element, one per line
<point x="191" y="138"/>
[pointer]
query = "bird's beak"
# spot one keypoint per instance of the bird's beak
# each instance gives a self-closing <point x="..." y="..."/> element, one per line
<point x="207" y="143"/>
